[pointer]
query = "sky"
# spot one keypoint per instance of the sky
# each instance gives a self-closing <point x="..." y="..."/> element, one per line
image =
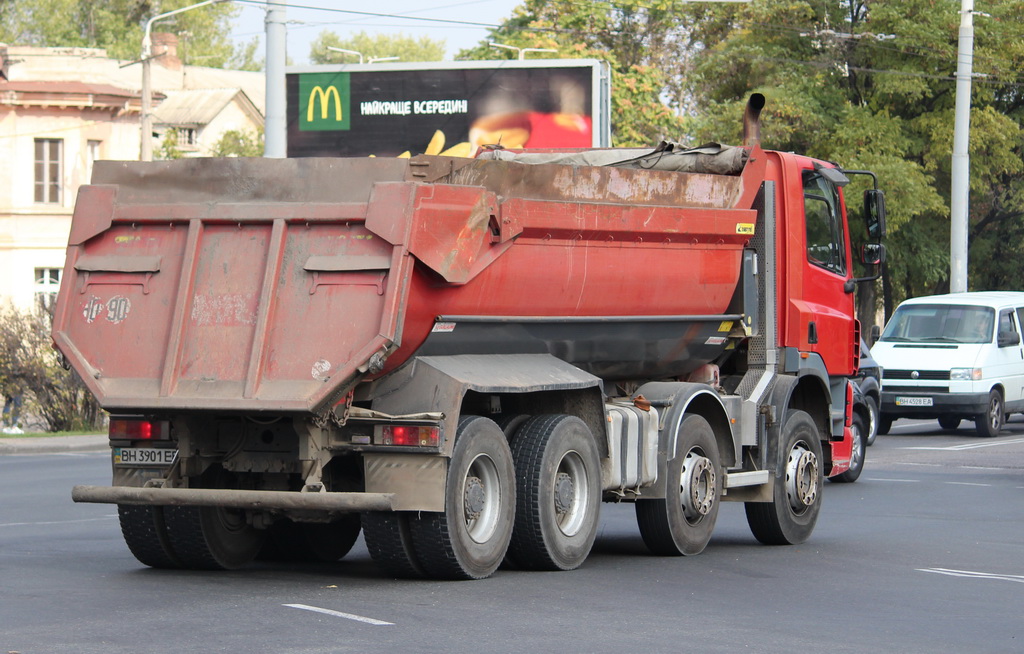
<point x="308" y="18"/>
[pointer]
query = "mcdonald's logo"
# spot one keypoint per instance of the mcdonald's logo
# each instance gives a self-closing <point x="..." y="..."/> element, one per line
<point x="324" y="100"/>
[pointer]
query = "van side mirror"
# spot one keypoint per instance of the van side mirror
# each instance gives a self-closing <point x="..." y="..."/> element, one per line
<point x="1006" y="339"/>
<point x="874" y="214"/>
<point x="876" y="332"/>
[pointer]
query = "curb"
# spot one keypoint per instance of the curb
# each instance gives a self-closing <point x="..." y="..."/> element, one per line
<point x="54" y="444"/>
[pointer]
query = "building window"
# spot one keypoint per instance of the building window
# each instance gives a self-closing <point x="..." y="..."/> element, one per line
<point x="47" y="285"/>
<point x="92" y="155"/>
<point x="49" y="170"/>
<point x="186" y="137"/>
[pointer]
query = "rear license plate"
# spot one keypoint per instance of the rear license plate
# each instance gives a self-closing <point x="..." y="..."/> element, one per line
<point x="913" y="401"/>
<point x="143" y="456"/>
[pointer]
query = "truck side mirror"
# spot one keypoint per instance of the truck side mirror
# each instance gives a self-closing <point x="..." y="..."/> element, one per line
<point x="874" y="214"/>
<point x="872" y="254"/>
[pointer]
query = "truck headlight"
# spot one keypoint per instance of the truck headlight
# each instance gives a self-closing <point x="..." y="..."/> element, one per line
<point x="965" y="374"/>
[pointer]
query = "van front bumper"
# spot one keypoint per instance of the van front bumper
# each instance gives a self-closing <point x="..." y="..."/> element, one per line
<point x="924" y="404"/>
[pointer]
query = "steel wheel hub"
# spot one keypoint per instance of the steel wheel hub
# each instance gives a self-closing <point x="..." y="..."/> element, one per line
<point x="801" y="478"/>
<point x="475" y="498"/>
<point x="564" y="492"/>
<point x="697" y="486"/>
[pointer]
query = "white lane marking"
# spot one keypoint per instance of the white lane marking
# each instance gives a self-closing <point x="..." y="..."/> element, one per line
<point x="966" y="483"/>
<point x="902" y="481"/>
<point x="923" y="465"/>
<point x="54" y="522"/>
<point x="968" y="446"/>
<point x="973" y="575"/>
<point x="338" y="614"/>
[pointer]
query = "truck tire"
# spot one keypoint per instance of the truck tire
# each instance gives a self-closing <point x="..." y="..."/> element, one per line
<point x="859" y="430"/>
<point x="389" y="540"/>
<point x="311" y="542"/>
<point x="469" y="539"/>
<point x="989" y="424"/>
<point x="212" y="538"/>
<point x="146" y="536"/>
<point x="681" y="524"/>
<point x="558" y="493"/>
<point x="790" y="517"/>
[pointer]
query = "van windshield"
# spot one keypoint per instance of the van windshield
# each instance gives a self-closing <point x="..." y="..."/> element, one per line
<point x="940" y="323"/>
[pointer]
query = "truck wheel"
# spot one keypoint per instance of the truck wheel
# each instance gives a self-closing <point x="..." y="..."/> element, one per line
<point x="989" y="423"/>
<point x="558" y="493"/>
<point x="856" y="456"/>
<point x="314" y="542"/>
<point x="872" y="428"/>
<point x="790" y="517"/>
<point x="146" y="536"/>
<point x="389" y="540"/>
<point x="469" y="539"/>
<point x="949" y="423"/>
<point x="681" y="524"/>
<point x="212" y="538"/>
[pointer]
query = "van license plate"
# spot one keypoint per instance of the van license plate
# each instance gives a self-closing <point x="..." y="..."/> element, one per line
<point x="143" y="456"/>
<point x="913" y="401"/>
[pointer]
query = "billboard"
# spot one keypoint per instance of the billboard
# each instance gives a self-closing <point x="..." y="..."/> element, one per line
<point x="387" y="110"/>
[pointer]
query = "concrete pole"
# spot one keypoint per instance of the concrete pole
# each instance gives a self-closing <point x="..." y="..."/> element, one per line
<point x="146" y="121"/>
<point x="275" y="129"/>
<point x="961" y="166"/>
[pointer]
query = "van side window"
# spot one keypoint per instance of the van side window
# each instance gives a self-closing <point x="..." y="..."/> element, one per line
<point x="1006" y="323"/>
<point x="826" y="242"/>
<point x="1020" y="315"/>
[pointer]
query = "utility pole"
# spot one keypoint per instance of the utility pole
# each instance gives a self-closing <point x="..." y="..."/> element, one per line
<point x="961" y="166"/>
<point x="275" y="143"/>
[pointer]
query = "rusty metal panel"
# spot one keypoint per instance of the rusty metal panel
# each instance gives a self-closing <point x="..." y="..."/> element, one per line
<point x="271" y="298"/>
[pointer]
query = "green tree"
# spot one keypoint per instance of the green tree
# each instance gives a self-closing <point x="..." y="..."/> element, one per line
<point x="29" y="366"/>
<point x="869" y="85"/>
<point x="117" y="26"/>
<point x="239" y="143"/>
<point x="406" y="48"/>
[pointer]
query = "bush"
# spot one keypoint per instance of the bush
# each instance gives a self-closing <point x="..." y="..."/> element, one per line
<point x="30" y="367"/>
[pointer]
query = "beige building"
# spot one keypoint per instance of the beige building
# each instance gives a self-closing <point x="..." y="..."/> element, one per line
<point x="61" y="109"/>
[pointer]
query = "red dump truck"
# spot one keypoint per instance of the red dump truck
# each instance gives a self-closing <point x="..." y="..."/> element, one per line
<point x="462" y="358"/>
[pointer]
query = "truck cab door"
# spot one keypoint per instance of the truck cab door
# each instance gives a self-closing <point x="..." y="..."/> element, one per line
<point x="821" y="309"/>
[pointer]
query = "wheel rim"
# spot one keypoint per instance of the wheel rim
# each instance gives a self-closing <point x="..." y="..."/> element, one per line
<point x="872" y="420"/>
<point x="858" y="453"/>
<point x="995" y="412"/>
<point x="697" y="486"/>
<point x="801" y="478"/>
<point x="481" y="498"/>
<point x="571" y="494"/>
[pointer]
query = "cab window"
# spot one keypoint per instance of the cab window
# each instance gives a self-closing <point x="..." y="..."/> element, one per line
<point x="826" y="242"/>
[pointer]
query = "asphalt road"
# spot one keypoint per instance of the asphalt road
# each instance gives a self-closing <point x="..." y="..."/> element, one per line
<point x="925" y="553"/>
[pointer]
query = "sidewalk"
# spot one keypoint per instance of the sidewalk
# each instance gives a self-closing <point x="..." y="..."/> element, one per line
<point x="54" y="444"/>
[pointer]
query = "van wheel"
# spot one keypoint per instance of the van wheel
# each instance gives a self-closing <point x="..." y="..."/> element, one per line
<point x="949" y="422"/>
<point x="884" y="425"/>
<point x="989" y="423"/>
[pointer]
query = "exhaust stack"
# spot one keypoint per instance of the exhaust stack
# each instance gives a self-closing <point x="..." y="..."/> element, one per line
<point x="752" y="120"/>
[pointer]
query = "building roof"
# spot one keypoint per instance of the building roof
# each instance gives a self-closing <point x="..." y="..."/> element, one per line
<point x="68" y="94"/>
<point x="200" y="106"/>
<point x="92" y="66"/>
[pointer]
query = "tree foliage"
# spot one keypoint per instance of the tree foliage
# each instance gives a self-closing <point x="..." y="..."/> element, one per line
<point x="239" y="143"/>
<point x="118" y="25"/>
<point x="406" y="48"/>
<point x="29" y="367"/>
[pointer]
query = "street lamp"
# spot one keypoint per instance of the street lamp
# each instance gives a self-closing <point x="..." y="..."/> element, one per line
<point x="146" y="145"/>
<point x="521" y="52"/>
<point x="343" y="50"/>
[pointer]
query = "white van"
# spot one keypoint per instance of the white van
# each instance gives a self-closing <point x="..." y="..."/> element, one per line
<point x="954" y="357"/>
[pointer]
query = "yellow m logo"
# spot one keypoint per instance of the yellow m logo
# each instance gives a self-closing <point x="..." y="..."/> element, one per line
<point x="325" y="98"/>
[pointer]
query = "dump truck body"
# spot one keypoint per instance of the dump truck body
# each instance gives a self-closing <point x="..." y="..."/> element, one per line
<point x="462" y="357"/>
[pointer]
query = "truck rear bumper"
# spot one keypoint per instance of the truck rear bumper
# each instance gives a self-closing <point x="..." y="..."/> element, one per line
<point x="942" y="404"/>
<point x="235" y="499"/>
